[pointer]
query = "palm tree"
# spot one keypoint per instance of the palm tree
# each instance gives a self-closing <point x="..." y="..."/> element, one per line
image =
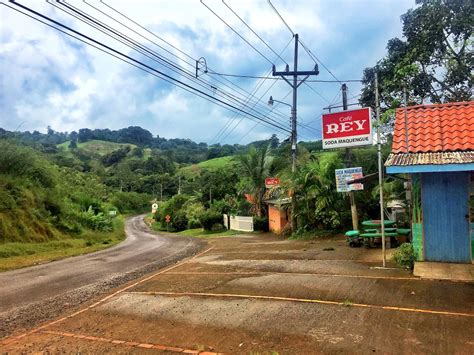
<point x="255" y="167"/>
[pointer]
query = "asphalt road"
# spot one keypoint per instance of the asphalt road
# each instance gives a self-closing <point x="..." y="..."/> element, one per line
<point x="35" y="294"/>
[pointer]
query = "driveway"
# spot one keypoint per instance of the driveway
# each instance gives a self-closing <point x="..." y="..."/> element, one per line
<point x="34" y="294"/>
<point x="263" y="294"/>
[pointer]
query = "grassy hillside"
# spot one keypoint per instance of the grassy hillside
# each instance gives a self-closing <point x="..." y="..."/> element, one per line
<point x="212" y="164"/>
<point x="96" y="146"/>
<point x="49" y="211"/>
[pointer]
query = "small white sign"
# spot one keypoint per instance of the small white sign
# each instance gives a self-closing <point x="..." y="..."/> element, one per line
<point x="154" y="207"/>
<point x="348" y="174"/>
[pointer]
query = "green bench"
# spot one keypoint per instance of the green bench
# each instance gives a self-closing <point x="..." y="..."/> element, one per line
<point x="403" y="231"/>
<point x="377" y="235"/>
<point x="353" y="238"/>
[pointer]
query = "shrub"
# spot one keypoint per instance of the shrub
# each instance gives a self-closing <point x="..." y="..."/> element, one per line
<point x="194" y="223"/>
<point x="209" y="218"/>
<point x="405" y="255"/>
<point x="180" y="221"/>
<point x="97" y="222"/>
<point x="260" y="224"/>
<point x="193" y="210"/>
<point x="172" y="207"/>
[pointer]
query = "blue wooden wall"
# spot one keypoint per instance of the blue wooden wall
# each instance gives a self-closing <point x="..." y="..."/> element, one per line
<point x="445" y="204"/>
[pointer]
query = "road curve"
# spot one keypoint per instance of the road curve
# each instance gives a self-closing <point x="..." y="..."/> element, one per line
<point x="31" y="295"/>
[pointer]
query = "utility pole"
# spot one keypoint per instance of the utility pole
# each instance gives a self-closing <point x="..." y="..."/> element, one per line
<point x="379" y="156"/>
<point x="210" y="195"/>
<point x="348" y="163"/>
<point x="294" y="86"/>
<point x="179" y="184"/>
<point x="161" y="192"/>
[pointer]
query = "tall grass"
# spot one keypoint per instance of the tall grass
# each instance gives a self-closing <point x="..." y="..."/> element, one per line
<point x="14" y="255"/>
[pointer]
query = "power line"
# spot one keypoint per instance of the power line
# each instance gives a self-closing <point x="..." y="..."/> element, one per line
<point x="230" y="120"/>
<point x="257" y="87"/>
<point x="240" y="121"/>
<point x="238" y="34"/>
<point x="210" y="71"/>
<point x="138" y="63"/>
<point x="134" y="45"/>
<point x="281" y="18"/>
<point x="277" y="78"/>
<point x="315" y="58"/>
<point x="255" y="33"/>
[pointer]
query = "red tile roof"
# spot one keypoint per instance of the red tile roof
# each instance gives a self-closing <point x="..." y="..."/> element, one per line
<point x="434" y="128"/>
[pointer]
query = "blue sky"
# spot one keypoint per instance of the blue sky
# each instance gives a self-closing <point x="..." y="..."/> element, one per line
<point x="48" y="78"/>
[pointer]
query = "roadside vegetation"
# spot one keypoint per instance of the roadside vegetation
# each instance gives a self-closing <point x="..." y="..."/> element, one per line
<point x="48" y="211"/>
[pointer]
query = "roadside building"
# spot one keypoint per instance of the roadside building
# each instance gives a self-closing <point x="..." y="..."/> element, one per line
<point x="278" y="214"/>
<point x="434" y="146"/>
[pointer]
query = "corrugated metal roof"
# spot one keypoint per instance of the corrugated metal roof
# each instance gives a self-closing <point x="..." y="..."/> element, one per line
<point x="439" y="158"/>
<point x="434" y="128"/>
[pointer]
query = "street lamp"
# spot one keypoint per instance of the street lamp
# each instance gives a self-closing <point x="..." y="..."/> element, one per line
<point x="271" y="101"/>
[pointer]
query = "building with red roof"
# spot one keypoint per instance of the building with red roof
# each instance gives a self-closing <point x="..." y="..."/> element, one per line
<point x="435" y="145"/>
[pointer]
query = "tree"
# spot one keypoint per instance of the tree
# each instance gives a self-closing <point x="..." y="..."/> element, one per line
<point x="317" y="204"/>
<point x="434" y="62"/>
<point x="73" y="136"/>
<point x="255" y="167"/>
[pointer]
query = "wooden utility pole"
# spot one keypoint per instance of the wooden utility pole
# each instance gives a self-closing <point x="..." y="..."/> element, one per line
<point x="347" y="164"/>
<point x="294" y="85"/>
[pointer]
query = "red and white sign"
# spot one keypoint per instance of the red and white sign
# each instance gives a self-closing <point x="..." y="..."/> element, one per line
<point x="347" y="128"/>
<point x="270" y="182"/>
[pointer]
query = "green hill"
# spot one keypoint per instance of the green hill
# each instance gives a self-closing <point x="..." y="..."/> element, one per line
<point x="211" y="164"/>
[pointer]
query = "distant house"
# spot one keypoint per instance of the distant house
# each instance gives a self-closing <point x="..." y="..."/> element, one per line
<point x="434" y="144"/>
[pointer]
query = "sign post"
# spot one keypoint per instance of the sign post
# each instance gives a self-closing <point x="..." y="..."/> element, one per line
<point x="168" y="220"/>
<point x="347" y="128"/>
<point x="379" y="157"/>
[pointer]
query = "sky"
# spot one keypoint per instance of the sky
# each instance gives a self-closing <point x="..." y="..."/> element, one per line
<point x="51" y="79"/>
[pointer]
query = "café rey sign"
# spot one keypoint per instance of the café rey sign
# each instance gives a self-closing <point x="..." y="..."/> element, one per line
<point x="347" y="128"/>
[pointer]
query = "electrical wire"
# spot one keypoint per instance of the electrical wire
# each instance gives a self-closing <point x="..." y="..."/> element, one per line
<point x="238" y="34"/>
<point x="281" y="18"/>
<point x="190" y="75"/>
<point x="277" y="78"/>
<point x="255" y="33"/>
<point x="257" y="87"/>
<point x="136" y="62"/>
<point x="230" y="120"/>
<point x="210" y="71"/>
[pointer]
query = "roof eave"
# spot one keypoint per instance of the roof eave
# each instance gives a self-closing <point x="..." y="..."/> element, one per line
<point x="429" y="168"/>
